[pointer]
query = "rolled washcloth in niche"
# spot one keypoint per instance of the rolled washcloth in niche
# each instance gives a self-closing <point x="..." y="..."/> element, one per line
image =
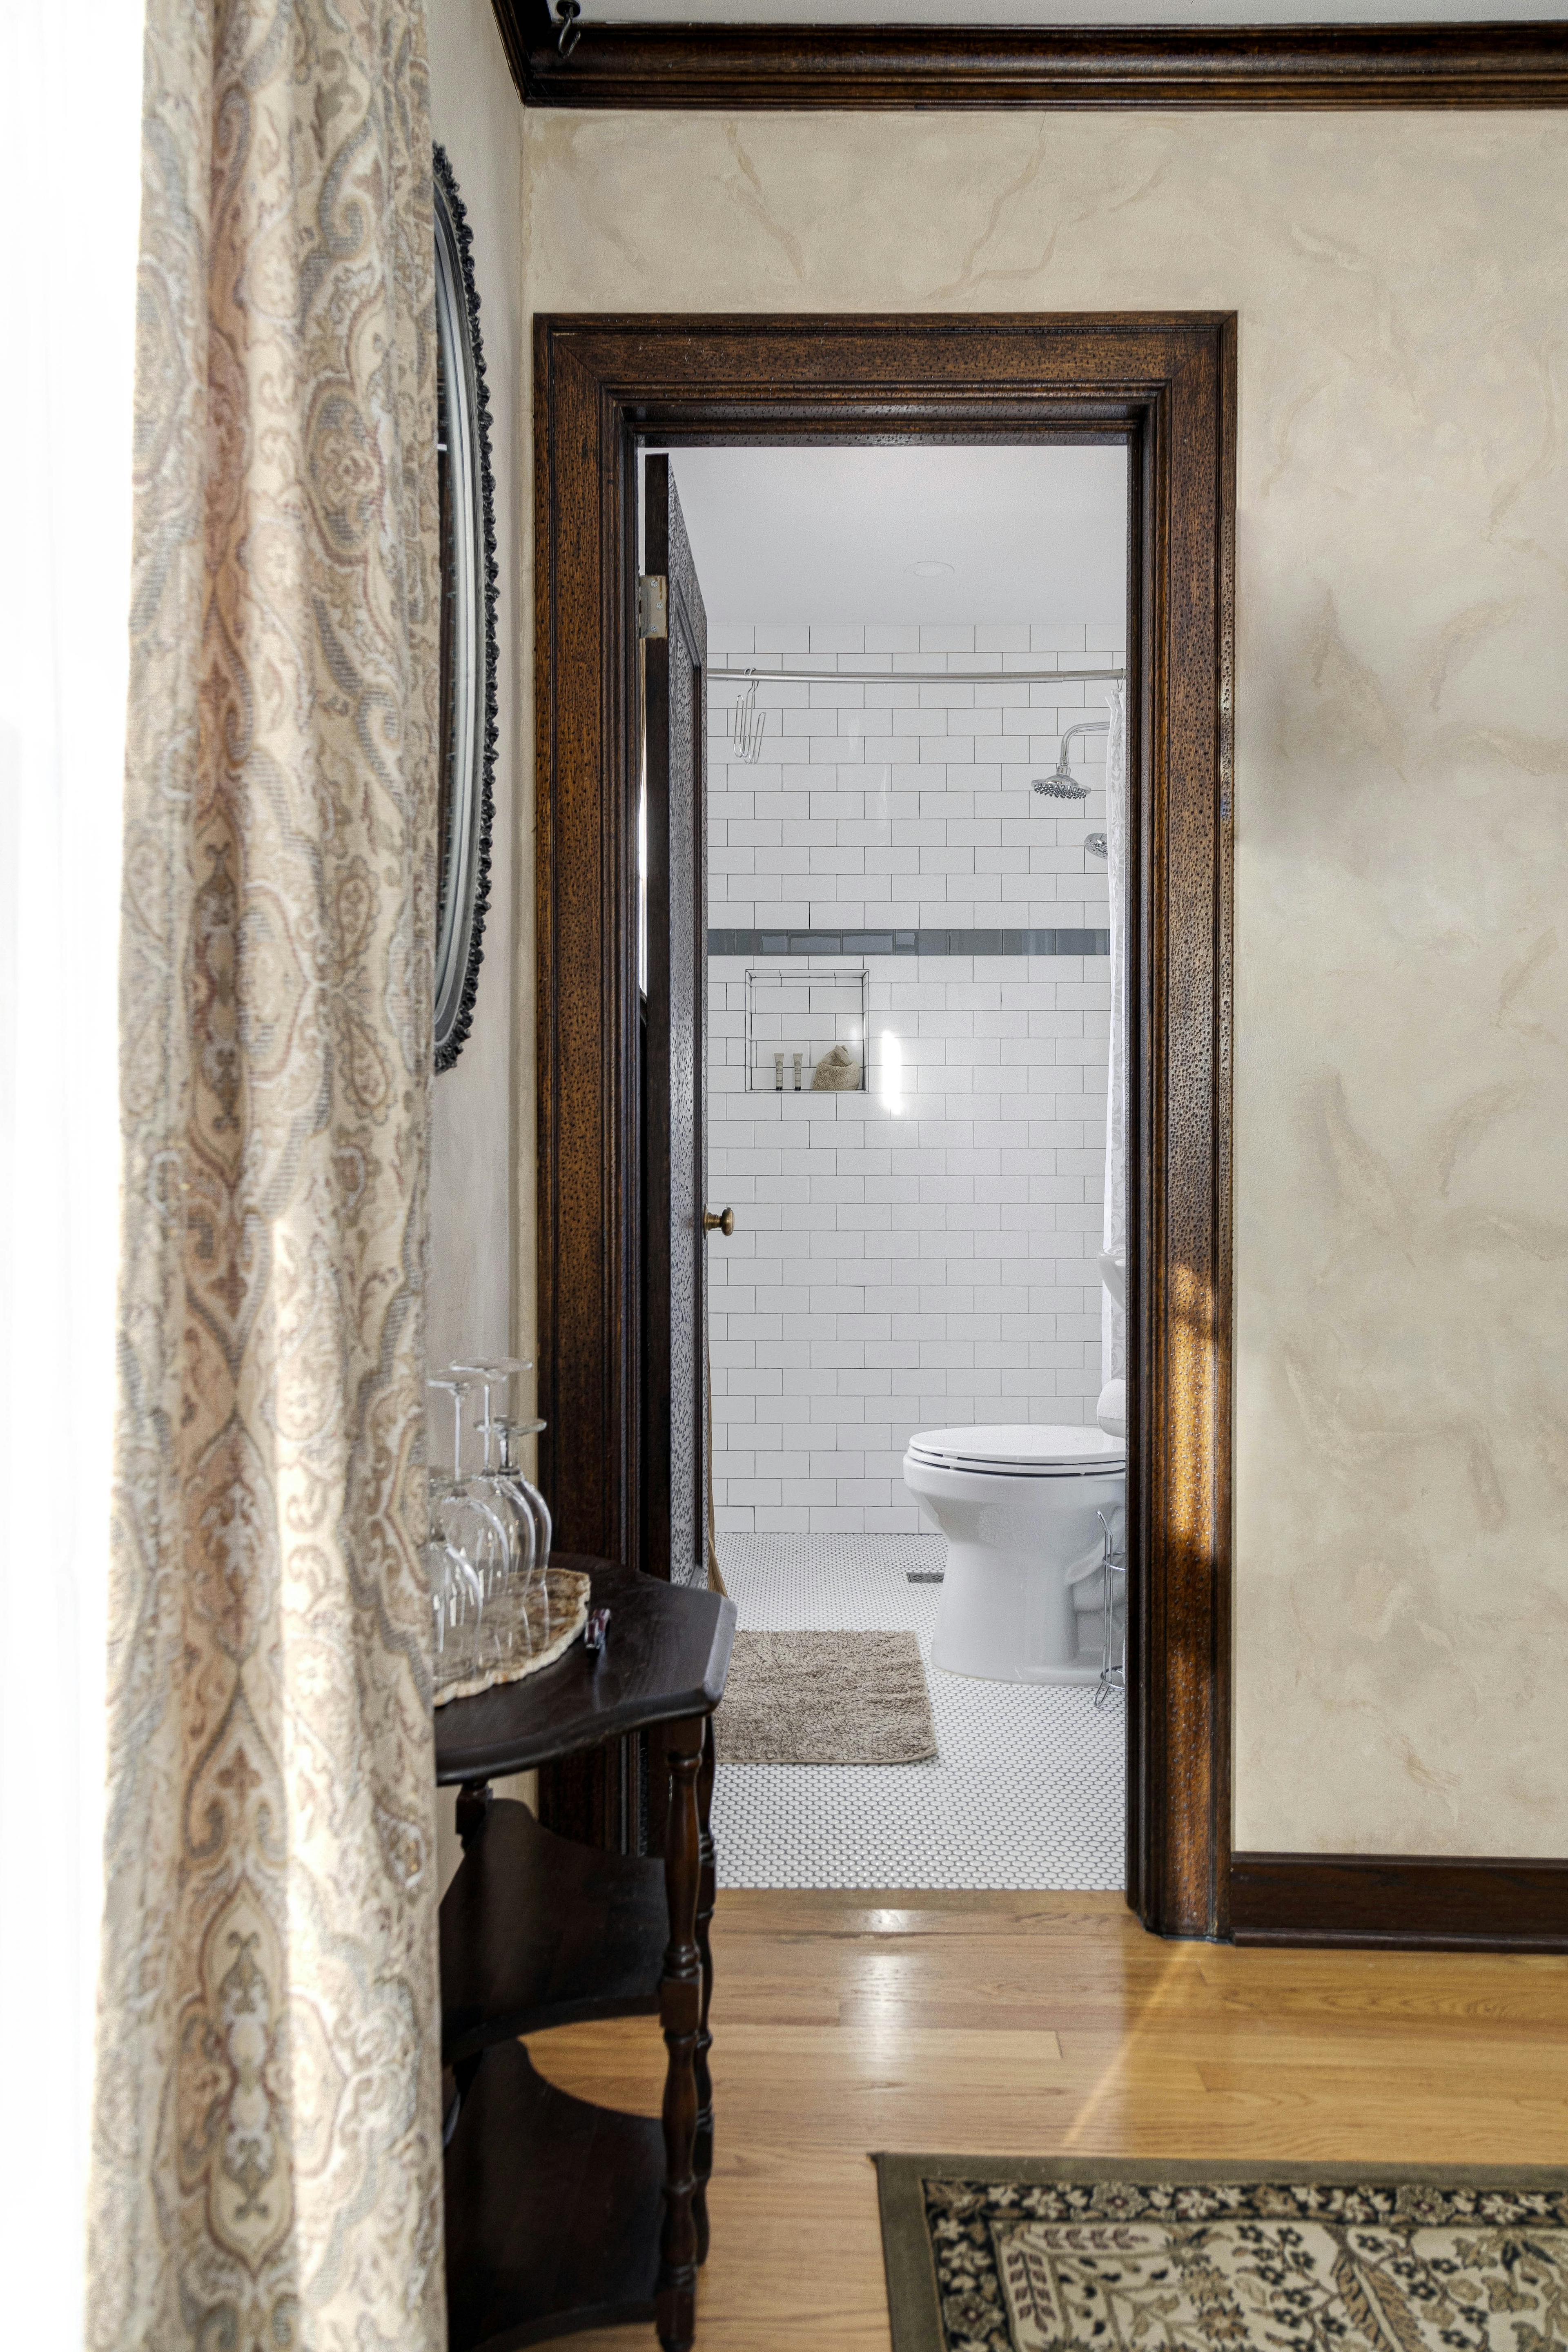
<point x="839" y="1072"/>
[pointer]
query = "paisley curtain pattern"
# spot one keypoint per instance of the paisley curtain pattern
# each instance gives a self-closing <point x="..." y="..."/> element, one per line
<point x="267" y="2126"/>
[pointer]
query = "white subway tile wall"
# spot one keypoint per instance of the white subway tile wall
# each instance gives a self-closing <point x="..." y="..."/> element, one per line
<point x="921" y="1255"/>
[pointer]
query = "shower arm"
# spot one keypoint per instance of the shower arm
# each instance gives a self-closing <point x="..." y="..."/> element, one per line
<point x="1081" y="727"/>
<point x="1063" y="785"/>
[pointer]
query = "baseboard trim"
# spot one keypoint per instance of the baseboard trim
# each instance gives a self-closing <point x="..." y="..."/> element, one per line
<point x="1399" y="1902"/>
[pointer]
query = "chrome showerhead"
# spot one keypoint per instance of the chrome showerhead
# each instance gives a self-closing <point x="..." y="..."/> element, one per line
<point x="1061" y="786"/>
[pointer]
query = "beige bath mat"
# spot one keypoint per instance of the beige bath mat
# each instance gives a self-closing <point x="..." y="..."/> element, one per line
<point x="825" y="1698"/>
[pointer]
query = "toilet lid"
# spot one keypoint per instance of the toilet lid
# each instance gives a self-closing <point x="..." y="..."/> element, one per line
<point x="1045" y="1450"/>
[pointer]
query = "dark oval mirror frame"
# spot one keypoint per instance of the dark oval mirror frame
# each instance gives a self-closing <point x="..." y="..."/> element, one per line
<point x="468" y="569"/>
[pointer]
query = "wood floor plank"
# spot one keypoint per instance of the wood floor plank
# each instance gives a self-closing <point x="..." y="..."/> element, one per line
<point x="1041" y="2024"/>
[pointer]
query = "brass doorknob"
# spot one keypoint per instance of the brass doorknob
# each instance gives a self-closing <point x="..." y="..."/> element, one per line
<point x="718" y="1221"/>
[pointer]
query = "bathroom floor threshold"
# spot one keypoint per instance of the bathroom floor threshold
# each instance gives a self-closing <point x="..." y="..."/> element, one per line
<point x="1027" y="1789"/>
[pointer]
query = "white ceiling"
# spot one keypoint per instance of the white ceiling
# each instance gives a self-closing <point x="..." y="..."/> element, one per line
<point x="1067" y="12"/>
<point x="830" y="534"/>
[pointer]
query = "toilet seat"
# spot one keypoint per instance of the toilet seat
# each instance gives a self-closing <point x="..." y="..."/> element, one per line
<point x="1055" y="1449"/>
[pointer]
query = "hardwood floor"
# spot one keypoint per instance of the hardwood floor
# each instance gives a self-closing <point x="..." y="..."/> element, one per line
<point x="1039" y="2024"/>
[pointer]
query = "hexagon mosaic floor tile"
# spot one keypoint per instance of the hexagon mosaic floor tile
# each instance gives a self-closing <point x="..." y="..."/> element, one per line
<point x="1027" y="1788"/>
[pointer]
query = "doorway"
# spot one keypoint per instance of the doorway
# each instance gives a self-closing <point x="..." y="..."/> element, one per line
<point x="1162" y="389"/>
<point x="913" y="659"/>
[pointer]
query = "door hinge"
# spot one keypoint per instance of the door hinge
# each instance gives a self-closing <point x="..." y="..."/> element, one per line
<point x="653" y="605"/>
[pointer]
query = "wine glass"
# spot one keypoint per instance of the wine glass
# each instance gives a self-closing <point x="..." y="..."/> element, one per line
<point x="457" y="1386"/>
<point x="499" y="1369"/>
<point x="529" y="1499"/>
<point x="501" y="1488"/>
<point x="494" y="1369"/>
<point x="456" y="1602"/>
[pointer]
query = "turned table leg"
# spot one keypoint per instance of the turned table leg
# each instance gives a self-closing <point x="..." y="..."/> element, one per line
<point x="474" y="1801"/>
<point x="702" y="2155"/>
<point x="681" y="2013"/>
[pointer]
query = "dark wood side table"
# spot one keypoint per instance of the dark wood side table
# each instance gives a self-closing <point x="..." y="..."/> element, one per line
<point x="561" y="2215"/>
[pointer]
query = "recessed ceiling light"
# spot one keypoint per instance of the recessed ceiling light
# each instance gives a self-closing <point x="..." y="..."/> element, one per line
<point x="931" y="570"/>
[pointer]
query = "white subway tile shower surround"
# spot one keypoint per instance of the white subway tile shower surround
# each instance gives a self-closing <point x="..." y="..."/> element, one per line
<point x="922" y="1256"/>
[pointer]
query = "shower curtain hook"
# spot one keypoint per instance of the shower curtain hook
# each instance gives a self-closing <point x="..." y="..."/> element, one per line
<point x="570" y="31"/>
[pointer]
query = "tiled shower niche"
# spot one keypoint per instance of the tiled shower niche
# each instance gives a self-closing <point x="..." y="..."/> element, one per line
<point x="806" y="1028"/>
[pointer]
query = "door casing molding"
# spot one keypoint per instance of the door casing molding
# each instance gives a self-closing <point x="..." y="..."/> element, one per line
<point x="1164" y="385"/>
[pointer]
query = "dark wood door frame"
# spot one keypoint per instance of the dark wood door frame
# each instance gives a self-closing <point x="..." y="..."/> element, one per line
<point x="1165" y="386"/>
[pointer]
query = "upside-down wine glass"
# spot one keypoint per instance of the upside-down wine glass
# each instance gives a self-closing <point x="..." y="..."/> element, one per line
<point x="529" y="1500"/>
<point x="500" y="1369"/>
<point x="493" y="1372"/>
<point x="457" y="1602"/>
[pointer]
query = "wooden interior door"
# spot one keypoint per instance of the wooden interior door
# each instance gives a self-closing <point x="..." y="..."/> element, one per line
<point x="674" y="625"/>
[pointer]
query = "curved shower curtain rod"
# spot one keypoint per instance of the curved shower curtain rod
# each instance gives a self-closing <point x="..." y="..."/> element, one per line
<point x="921" y="677"/>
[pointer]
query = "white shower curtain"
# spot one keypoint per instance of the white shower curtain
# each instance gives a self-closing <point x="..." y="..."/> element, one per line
<point x="1113" y="1316"/>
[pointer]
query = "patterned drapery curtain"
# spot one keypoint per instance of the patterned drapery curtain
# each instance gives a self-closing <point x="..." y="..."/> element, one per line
<point x="267" y="2125"/>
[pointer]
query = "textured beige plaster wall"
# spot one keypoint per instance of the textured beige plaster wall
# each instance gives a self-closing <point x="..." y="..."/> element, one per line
<point x="1402" y="871"/>
<point x="476" y="116"/>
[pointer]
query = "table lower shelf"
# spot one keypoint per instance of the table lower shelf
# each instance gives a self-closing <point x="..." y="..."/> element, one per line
<point x="537" y="1930"/>
<point x="554" y="2209"/>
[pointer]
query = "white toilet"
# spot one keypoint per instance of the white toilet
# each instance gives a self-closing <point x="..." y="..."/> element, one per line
<point x="1025" y="1512"/>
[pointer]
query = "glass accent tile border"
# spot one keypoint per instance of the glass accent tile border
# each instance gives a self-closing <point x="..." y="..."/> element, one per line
<point x="909" y="943"/>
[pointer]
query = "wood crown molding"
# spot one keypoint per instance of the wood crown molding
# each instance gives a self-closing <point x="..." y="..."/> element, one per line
<point x="908" y="67"/>
<point x="1399" y="1902"/>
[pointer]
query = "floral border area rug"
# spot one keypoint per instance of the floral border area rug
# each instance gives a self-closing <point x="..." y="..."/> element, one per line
<point x="994" y="2254"/>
